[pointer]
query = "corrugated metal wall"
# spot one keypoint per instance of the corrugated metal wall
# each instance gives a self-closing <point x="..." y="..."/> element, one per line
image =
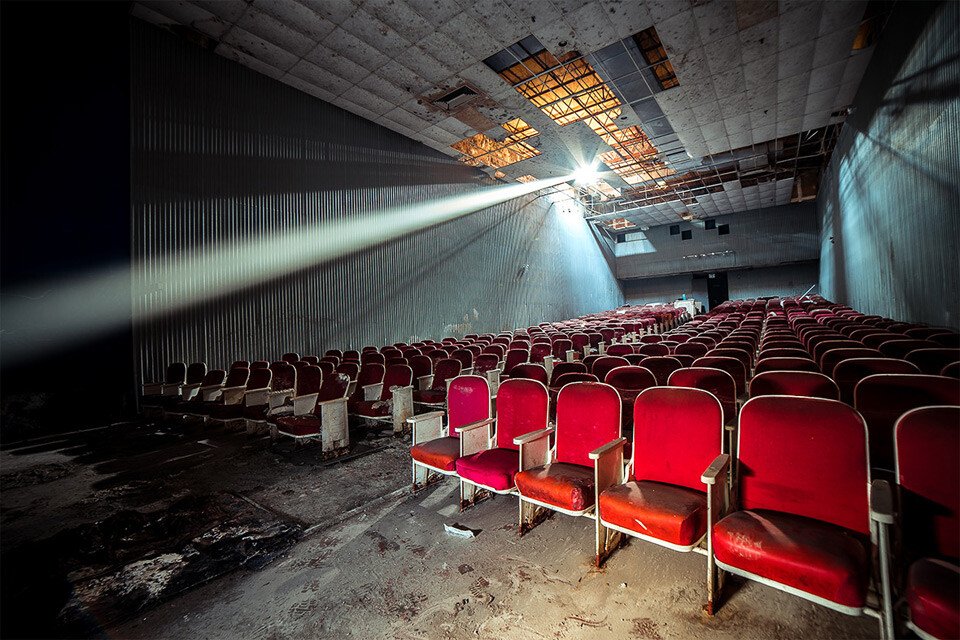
<point x="223" y="155"/>
<point x="760" y="238"/>
<point x="889" y="203"/>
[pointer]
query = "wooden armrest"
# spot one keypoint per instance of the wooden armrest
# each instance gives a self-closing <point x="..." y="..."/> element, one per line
<point x="474" y="425"/>
<point x="533" y="435"/>
<point x="719" y="465"/>
<point x="881" y="502"/>
<point x="607" y="448"/>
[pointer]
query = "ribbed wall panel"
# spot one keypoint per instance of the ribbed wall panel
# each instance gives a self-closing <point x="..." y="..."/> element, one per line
<point x="889" y="203"/>
<point x="222" y="155"/>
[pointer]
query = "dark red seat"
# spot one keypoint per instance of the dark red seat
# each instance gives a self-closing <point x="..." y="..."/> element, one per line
<point x="588" y="416"/>
<point x="515" y="357"/>
<point x="521" y="408"/>
<point x="600" y="366"/>
<point x="560" y="348"/>
<point x="629" y="381"/>
<point x="661" y="367"/>
<point x="530" y="371"/>
<point x="444" y="370"/>
<point x="565" y="367"/>
<point x="678" y="434"/>
<point x="731" y="365"/>
<point x="802" y="523"/>
<point x="829" y="360"/>
<point x="466" y="359"/>
<point x="946" y="339"/>
<point x="900" y="348"/>
<point x="206" y="391"/>
<point x="786" y="364"/>
<point x="653" y="349"/>
<point x="258" y="386"/>
<point x="808" y="384"/>
<point x="620" y="350"/>
<point x="154" y="392"/>
<point x="716" y="381"/>
<point x="928" y="458"/>
<point x="952" y="370"/>
<point x="327" y="421"/>
<point x="933" y="360"/>
<point x="849" y="372"/>
<point x="882" y="398"/>
<point x="231" y="393"/>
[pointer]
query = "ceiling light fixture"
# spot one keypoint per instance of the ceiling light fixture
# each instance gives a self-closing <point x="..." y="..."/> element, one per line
<point x="586" y="174"/>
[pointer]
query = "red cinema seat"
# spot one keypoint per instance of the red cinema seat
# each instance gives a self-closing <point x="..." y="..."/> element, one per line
<point x="695" y="349"/>
<point x="560" y="348"/>
<point x="306" y="388"/>
<point x="540" y="351"/>
<point x="327" y="420"/>
<point x="422" y="368"/>
<point x="604" y="364"/>
<point x="389" y="401"/>
<point x="900" y="348"/>
<point x="561" y="479"/>
<point x="731" y="365"/>
<point x="229" y="394"/>
<point x="283" y="381"/>
<point x="530" y="371"/>
<point x="716" y="381"/>
<point x="653" y="349"/>
<point x="661" y="367"/>
<point x="629" y="381"/>
<point x="946" y="339"/>
<point x="515" y="357"/>
<point x="372" y="357"/>
<point x="932" y="361"/>
<point x="315" y="360"/>
<point x="492" y="463"/>
<point x="952" y="370"/>
<point x="660" y="497"/>
<point x="256" y="391"/>
<point x="155" y="393"/>
<point x="436" y="395"/>
<point x="802" y="524"/>
<point x="849" y="372"/>
<point x="829" y="361"/>
<point x="207" y="390"/>
<point x="883" y="398"/>
<point x="619" y="350"/>
<point x="466" y="360"/>
<point x="565" y="367"/>
<point x="650" y="339"/>
<point x="808" y="384"/>
<point x="786" y="364"/>
<point x="780" y="352"/>
<point x="744" y="357"/>
<point x="291" y="357"/>
<point x="436" y="446"/>
<point x="928" y="458"/>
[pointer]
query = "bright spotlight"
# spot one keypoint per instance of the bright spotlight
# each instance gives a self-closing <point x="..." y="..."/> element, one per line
<point x="585" y="175"/>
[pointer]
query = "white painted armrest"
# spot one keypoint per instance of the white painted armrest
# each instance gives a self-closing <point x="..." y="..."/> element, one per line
<point x="187" y="391"/>
<point x="151" y="388"/>
<point x="475" y="437"/>
<point x="279" y="398"/>
<point x="302" y="405"/>
<point x="534" y="448"/>
<point x="474" y="425"/>
<point x="426" y="426"/>
<point x="607" y="466"/>
<point x="372" y="391"/>
<point x="533" y="435"/>
<point x="232" y="395"/>
<point x="720" y="464"/>
<point x="255" y="397"/>
<point x="603" y="450"/>
<point x="210" y="392"/>
<point x="424" y="382"/>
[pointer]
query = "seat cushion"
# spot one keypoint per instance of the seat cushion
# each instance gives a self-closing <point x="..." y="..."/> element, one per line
<point x="677" y="515"/>
<point x="494" y="468"/>
<point x="815" y="557"/>
<point x="440" y="453"/>
<point x="256" y="412"/>
<point x="567" y="486"/>
<point x="933" y="596"/>
<point x="430" y="396"/>
<point x="308" y="425"/>
<point x="370" y="408"/>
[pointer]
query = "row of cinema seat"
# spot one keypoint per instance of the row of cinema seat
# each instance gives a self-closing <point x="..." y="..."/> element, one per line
<point x="790" y="499"/>
<point x="311" y="398"/>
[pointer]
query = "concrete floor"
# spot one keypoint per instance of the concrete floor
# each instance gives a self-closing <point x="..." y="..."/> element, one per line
<point x="376" y="562"/>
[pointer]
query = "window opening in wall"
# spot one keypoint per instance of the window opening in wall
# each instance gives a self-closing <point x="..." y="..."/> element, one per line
<point x="723" y="229"/>
<point x="686" y="234"/>
<point x="674" y="229"/>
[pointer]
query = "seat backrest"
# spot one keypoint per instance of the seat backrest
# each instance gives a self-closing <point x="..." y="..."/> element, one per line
<point x="539" y="351"/>
<point x="259" y="364"/>
<point x="783" y="352"/>
<point x="396" y="375"/>
<point x="677" y="433"/>
<point x="588" y="416"/>
<point x="928" y="456"/>
<point x="349" y="368"/>
<point x="630" y="378"/>
<point x="529" y="371"/>
<point x="368" y="349"/>
<point x="560" y="348"/>
<point x="468" y="400"/>
<point x="369" y="374"/>
<point x="882" y="398"/>
<point x="336" y="353"/>
<point x="603" y="364"/>
<point x="567" y="378"/>
<point x="742" y="344"/>
<point x="334" y="360"/>
<point x="195" y="372"/>
<point x="650" y="339"/>
<point x="653" y="349"/>
<point x="620" y="349"/>
<point x="446" y="369"/>
<point x="946" y="339"/>
<point x="284" y="375"/>
<point x="579" y="340"/>
<point x="809" y="384"/>
<point x="661" y="367"/>
<point x="259" y="379"/>
<point x="786" y="364"/>
<point x="829" y="360"/>
<point x="334" y="386"/>
<point x="874" y="340"/>
<point x="214" y="377"/>
<point x="695" y="349"/>
<point x="240" y="364"/>
<point x="351" y="355"/>
<point x="933" y="360"/>
<point x="485" y="362"/>
<point x="731" y="365"/>
<point x="952" y="370"/>
<point x="237" y="377"/>
<point x="522" y="407"/>
<point x="309" y="379"/>
<point x="176" y="373"/>
<point x="743" y="356"/>
<point x="705" y="340"/>
<point x="421" y="365"/>
<point x="326" y="367"/>
<point x="804" y="456"/>
<point x="515" y="357"/>
<point x="372" y="357"/>
<point x="566" y="367"/>
<point x="497" y="349"/>
<point x="291" y="357"/>
<point x="313" y="360"/>
<point x="900" y="348"/>
<point x="465" y="357"/>
<point x="715" y="381"/>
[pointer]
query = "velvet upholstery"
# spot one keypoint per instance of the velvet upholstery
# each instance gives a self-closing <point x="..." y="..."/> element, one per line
<point x="563" y="485"/>
<point x="883" y="398"/>
<point x="653" y="349"/>
<point x="530" y="371"/>
<point x="731" y="365"/>
<point x="695" y="349"/>
<point x="515" y="357"/>
<point x="794" y="383"/>
<point x="588" y="416"/>
<point x="603" y="364"/>
<point x="933" y="596"/>
<point x="786" y="364"/>
<point x="469" y="401"/>
<point x="195" y="372"/>
<point x="933" y="360"/>
<point x="566" y="367"/>
<point x="661" y="367"/>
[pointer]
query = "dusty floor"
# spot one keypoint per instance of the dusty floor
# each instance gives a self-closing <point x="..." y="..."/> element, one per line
<point x="375" y="562"/>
